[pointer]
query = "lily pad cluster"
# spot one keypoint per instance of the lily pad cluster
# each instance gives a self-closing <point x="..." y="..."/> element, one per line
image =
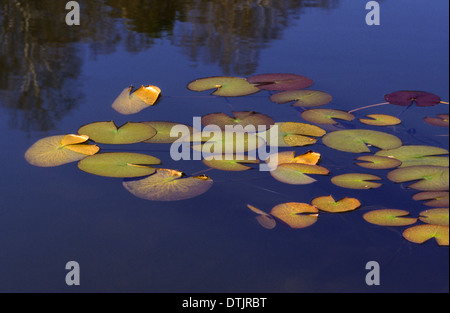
<point x="422" y="168"/>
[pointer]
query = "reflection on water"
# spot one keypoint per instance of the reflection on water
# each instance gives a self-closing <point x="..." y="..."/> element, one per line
<point x="40" y="59"/>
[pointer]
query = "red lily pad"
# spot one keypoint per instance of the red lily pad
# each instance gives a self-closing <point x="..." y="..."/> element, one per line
<point x="281" y="82"/>
<point x="406" y="98"/>
<point x="442" y="120"/>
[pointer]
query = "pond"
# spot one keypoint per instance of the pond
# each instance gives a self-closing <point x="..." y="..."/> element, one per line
<point x="222" y="231"/>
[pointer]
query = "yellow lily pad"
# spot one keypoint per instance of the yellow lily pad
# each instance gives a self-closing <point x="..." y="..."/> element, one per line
<point x="389" y="217"/>
<point x="296" y="215"/>
<point x="329" y="204"/>
<point x="128" y="103"/>
<point x="163" y="130"/>
<point x="296" y="174"/>
<point x="230" y="163"/>
<point x="422" y="233"/>
<point x="378" y="162"/>
<point x="436" y="199"/>
<point x="429" y="178"/>
<point x="381" y="120"/>
<point x="303" y="98"/>
<point x="224" y="86"/>
<point x="356" y="181"/>
<point x="417" y="155"/>
<point x="326" y="116"/>
<point x="435" y="217"/>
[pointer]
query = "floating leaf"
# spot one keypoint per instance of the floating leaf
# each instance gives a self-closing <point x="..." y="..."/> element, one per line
<point x="442" y="120"/>
<point x="326" y="116"/>
<point x="163" y="130"/>
<point x="310" y="157"/>
<point x="430" y="178"/>
<point x="296" y="215"/>
<point x="281" y="82"/>
<point x="293" y="134"/>
<point x="128" y="103"/>
<point x="357" y="140"/>
<point x="264" y="219"/>
<point x="437" y="198"/>
<point x="381" y="120"/>
<point x="356" y="181"/>
<point x="226" y="86"/>
<point x="303" y="98"/>
<point x="389" y="217"/>
<point x="406" y="98"/>
<point x="257" y="120"/>
<point x="119" y="164"/>
<point x="422" y="233"/>
<point x="109" y="133"/>
<point x="378" y="162"/>
<point x="435" y="217"/>
<point x="329" y="204"/>
<point x="417" y="155"/>
<point x="58" y="150"/>
<point x="295" y="174"/>
<point x="231" y="163"/>
<point x="225" y="142"/>
<point x="168" y="185"/>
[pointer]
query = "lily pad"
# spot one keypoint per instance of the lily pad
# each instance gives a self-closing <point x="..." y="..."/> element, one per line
<point x="257" y="120"/>
<point x="422" y="233"/>
<point x="326" y="116"/>
<point x="293" y="134"/>
<point x="356" y="181"/>
<point x="442" y="120"/>
<point x="430" y="178"/>
<point x="289" y="157"/>
<point x="329" y="204"/>
<point x="303" y="98"/>
<point x="119" y="164"/>
<point x="168" y="185"/>
<point x="296" y="174"/>
<point x="417" y="155"/>
<point x="281" y="82"/>
<point x="264" y="219"/>
<point x="225" y="86"/>
<point x="358" y="140"/>
<point x="59" y="150"/>
<point x="436" y="199"/>
<point x="128" y="103"/>
<point x="389" y="217"/>
<point x="381" y="120"/>
<point x="407" y="98"/>
<point x="378" y="162"/>
<point x="225" y="143"/>
<point x="230" y="163"/>
<point x="109" y="133"/>
<point x="435" y="217"/>
<point x="163" y="130"/>
<point x="296" y="215"/>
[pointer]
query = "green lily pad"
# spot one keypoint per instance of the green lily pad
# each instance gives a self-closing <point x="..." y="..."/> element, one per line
<point x="357" y="140"/>
<point x="430" y="178"/>
<point x="329" y="204"/>
<point x="119" y="164"/>
<point x="293" y="134"/>
<point x="381" y="120"/>
<point x="257" y="120"/>
<point x="422" y="233"/>
<point x="109" y="133"/>
<point x="356" y="181"/>
<point x="437" y="199"/>
<point x="303" y="98"/>
<point x="296" y="174"/>
<point x="435" y="217"/>
<point x="225" y="143"/>
<point x="417" y="155"/>
<point x="378" y="162"/>
<point x="264" y="219"/>
<point x="168" y="185"/>
<point x="59" y="150"/>
<point x="389" y="217"/>
<point x="230" y="163"/>
<point x="128" y="103"/>
<point x="296" y="215"/>
<point x="225" y="86"/>
<point x="281" y="82"/>
<point x="163" y="130"/>
<point x="442" y="120"/>
<point x="326" y="116"/>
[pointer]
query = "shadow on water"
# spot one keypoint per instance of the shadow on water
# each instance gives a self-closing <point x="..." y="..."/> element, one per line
<point x="40" y="60"/>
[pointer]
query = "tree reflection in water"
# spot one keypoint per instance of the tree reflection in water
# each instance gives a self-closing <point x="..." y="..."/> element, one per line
<point x="40" y="57"/>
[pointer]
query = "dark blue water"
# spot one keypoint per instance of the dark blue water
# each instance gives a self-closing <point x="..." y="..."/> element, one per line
<point x="212" y="243"/>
